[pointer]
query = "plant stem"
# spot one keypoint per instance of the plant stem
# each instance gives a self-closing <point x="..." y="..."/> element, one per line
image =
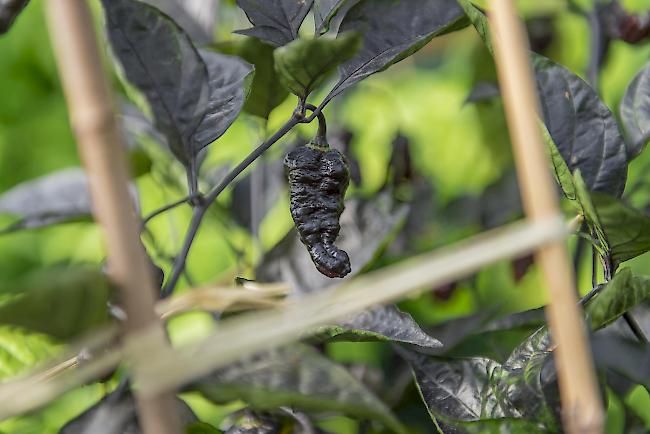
<point x="594" y="267"/>
<point x="164" y="209"/>
<point x="292" y="122"/>
<point x="180" y="260"/>
<point x="579" y="251"/>
<point x="635" y="327"/>
<point x="201" y="207"/>
<point x="321" y="135"/>
<point x="591" y="294"/>
<point x="316" y="111"/>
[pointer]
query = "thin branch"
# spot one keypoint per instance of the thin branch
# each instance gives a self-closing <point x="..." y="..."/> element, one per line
<point x="181" y="259"/>
<point x="591" y="294"/>
<point x="594" y="267"/>
<point x="581" y="243"/>
<point x="288" y="126"/>
<point x="321" y="135"/>
<point x="201" y="208"/>
<point x="635" y="327"/>
<point x="166" y="208"/>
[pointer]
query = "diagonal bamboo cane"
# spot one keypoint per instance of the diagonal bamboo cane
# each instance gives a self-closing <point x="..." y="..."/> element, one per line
<point x="102" y="151"/>
<point x="241" y="336"/>
<point x="581" y="404"/>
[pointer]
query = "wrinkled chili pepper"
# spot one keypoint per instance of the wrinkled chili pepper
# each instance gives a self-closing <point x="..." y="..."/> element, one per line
<point x="318" y="178"/>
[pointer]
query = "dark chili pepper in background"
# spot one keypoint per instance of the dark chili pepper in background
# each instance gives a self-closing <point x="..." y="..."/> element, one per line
<point x="318" y="177"/>
<point x="619" y="24"/>
<point x="9" y="10"/>
<point x="342" y="140"/>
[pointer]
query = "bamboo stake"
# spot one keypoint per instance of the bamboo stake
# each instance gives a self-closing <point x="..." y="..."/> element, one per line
<point x="101" y="148"/>
<point x="581" y="404"/>
<point x="250" y="333"/>
<point x="246" y="334"/>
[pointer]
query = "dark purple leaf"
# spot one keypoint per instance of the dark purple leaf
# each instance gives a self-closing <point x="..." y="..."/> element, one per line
<point x="393" y="30"/>
<point x="583" y="129"/>
<point x="274" y="21"/>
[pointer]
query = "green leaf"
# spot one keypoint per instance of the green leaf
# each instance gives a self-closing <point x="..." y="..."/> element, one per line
<point x="621" y="231"/>
<point x="305" y="63"/>
<point x="295" y="376"/>
<point x="21" y="350"/>
<point x="61" y="303"/>
<point x="458" y="390"/>
<point x="620" y="295"/>
<point x="385" y="324"/>
<point x="140" y="161"/>
<point x="635" y="112"/>
<point x="479" y="21"/>
<point x="483" y="91"/>
<point x="560" y="169"/>
<point x="267" y="91"/>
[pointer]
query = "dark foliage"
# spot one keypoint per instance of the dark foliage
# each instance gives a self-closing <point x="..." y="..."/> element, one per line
<point x="484" y="373"/>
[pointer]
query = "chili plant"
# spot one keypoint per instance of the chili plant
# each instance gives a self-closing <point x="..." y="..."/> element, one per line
<point x="183" y="91"/>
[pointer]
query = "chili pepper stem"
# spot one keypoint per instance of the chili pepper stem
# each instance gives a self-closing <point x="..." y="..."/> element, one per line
<point x="320" y="140"/>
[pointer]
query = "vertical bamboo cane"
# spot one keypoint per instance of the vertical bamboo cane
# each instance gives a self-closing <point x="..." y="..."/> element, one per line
<point x="581" y="403"/>
<point x="101" y="148"/>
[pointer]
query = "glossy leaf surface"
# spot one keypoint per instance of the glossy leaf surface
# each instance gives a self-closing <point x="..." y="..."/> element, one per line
<point x="266" y="91"/>
<point x="55" y="198"/>
<point x="635" y="112"/>
<point x="274" y="21"/>
<point x="304" y="63"/>
<point x="384" y="323"/>
<point x="299" y="377"/>
<point x="392" y="30"/>
<point x="582" y="127"/>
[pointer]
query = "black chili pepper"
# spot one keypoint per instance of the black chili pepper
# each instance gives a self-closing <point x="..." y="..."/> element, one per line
<point x="318" y="177"/>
